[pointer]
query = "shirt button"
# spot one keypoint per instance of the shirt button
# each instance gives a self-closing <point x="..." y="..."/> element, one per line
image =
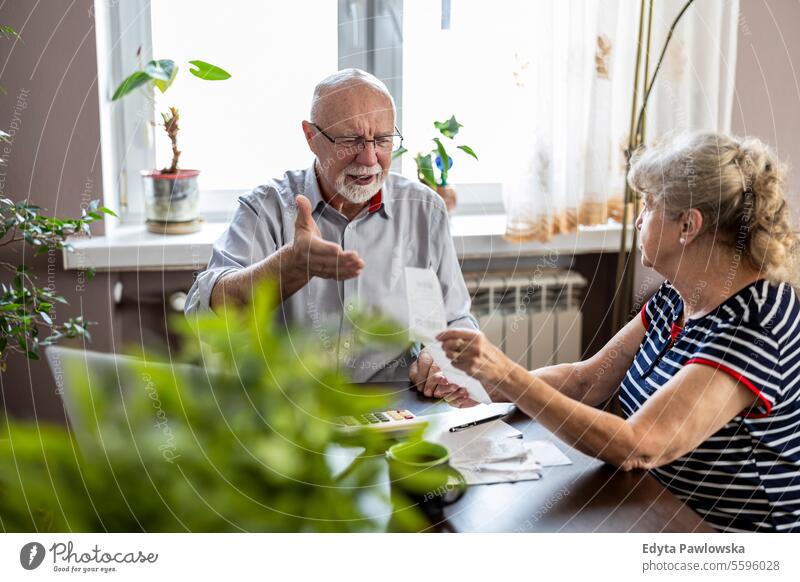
<point x="347" y="344"/>
<point x="350" y="307"/>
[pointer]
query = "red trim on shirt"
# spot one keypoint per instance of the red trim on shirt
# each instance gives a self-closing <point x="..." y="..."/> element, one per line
<point x="675" y="331"/>
<point x="644" y="319"/>
<point x="375" y="202"/>
<point x="741" y="379"/>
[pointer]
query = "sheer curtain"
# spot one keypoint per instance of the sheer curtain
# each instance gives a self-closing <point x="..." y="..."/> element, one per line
<point x="573" y="66"/>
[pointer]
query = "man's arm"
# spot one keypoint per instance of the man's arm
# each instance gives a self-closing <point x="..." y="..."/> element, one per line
<point x="292" y="265"/>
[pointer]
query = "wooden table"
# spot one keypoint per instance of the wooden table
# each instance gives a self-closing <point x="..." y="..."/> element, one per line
<point x="586" y="496"/>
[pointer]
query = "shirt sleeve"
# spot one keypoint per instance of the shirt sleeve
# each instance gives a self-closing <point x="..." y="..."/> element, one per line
<point x="245" y="242"/>
<point x="748" y="353"/>
<point x="456" y="297"/>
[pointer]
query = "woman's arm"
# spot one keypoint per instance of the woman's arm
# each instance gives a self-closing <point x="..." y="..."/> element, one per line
<point x="592" y="381"/>
<point x="689" y="408"/>
<point x="595" y="380"/>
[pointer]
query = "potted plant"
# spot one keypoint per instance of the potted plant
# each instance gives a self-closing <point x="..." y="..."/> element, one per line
<point x="171" y="194"/>
<point x="425" y="163"/>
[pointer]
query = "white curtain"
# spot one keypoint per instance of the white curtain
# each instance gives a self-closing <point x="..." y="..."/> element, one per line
<point x="573" y="67"/>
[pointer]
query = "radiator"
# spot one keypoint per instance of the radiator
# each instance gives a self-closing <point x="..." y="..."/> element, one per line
<point x="536" y="319"/>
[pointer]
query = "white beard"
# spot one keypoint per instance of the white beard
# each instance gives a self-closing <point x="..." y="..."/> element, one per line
<point x="356" y="193"/>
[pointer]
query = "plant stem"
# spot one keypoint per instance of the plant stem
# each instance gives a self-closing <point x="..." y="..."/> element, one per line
<point x="171" y="127"/>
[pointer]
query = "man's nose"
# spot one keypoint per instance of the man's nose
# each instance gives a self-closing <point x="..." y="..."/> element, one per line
<point x="368" y="156"/>
<point x="638" y="224"/>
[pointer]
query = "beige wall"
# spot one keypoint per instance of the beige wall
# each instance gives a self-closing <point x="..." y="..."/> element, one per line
<point x="767" y="100"/>
<point x="51" y="99"/>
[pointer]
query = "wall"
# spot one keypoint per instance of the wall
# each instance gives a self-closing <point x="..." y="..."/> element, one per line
<point x="51" y="105"/>
<point x="767" y="101"/>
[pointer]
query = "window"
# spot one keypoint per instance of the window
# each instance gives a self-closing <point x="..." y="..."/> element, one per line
<point x="241" y="132"/>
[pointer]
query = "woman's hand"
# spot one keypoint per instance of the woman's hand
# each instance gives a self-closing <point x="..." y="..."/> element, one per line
<point x="472" y="353"/>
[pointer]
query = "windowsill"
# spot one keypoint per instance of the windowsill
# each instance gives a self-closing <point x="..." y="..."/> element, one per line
<point x="132" y="248"/>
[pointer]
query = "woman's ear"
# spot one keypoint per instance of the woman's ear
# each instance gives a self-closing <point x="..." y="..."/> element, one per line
<point x="692" y="225"/>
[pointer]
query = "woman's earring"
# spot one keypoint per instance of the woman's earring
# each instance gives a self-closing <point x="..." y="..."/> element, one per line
<point x="682" y="241"/>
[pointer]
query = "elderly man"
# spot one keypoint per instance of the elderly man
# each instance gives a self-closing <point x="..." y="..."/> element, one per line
<point x="340" y="234"/>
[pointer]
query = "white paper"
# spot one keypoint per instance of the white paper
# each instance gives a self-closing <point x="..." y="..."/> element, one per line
<point x="426" y="313"/>
<point x="488" y="450"/>
<point x="427" y="318"/>
<point x="491" y="477"/>
<point x="547" y="454"/>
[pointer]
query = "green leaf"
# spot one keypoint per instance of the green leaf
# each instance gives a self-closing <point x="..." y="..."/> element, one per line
<point x="7" y="31"/>
<point x="397" y="153"/>
<point x="468" y="150"/>
<point x="45" y="317"/>
<point x="4" y="136"/>
<point x="134" y="81"/>
<point x="108" y="211"/>
<point x="208" y="72"/>
<point x="425" y="170"/>
<point x="448" y="128"/>
<point x="445" y="159"/>
<point x="163" y="73"/>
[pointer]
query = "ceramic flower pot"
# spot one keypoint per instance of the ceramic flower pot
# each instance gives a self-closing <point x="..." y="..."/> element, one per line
<point x="170" y="199"/>
<point x="448" y="194"/>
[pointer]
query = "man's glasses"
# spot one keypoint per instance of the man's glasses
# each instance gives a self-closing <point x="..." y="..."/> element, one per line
<point x="357" y="144"/>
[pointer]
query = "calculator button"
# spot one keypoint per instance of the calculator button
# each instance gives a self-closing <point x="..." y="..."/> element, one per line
<point x="394" y="415"/>
<point x="382" y="417"/>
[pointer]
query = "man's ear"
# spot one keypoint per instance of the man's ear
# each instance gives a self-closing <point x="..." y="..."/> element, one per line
<point x="692" y="224"/>
<point x="310" y="132"/>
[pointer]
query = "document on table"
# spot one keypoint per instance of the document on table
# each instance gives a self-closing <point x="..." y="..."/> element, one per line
<point x="486" y="461"/>
<point x="427" y="318"/>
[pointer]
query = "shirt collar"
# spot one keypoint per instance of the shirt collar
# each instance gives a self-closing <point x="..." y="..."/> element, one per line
<point x="312" y="192"/>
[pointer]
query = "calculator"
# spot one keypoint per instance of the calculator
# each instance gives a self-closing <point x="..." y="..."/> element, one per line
<point x="395" y="422"/>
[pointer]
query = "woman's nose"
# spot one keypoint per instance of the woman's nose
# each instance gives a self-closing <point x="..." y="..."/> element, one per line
<point x="638" y="224"/>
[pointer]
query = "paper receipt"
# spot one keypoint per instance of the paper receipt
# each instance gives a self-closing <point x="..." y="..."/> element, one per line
<point x="427" y="318"/>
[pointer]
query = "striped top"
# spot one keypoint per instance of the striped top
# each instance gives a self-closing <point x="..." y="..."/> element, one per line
<point x="745" y="477"/>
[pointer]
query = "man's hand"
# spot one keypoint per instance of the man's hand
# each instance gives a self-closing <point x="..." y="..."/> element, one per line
<point x="428" y="378"/>
<point x="312" y="256"/>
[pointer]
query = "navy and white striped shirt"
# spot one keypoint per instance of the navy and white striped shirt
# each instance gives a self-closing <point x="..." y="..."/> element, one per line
<point x="745" y="477"/>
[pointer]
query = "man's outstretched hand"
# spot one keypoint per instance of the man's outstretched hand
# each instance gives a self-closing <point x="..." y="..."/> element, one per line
<point x="313" y="256"/>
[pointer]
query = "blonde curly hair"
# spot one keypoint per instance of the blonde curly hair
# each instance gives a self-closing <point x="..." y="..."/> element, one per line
<point x="738" y="186"/>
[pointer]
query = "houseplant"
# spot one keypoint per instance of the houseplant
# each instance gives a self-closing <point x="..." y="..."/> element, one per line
<point x="442" y="160"/>
<point x="248" y="428"/>
<point x="172" y="193"/>
<point x="25" y="308"/>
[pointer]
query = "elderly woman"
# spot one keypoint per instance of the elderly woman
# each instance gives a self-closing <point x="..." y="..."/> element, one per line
<point x="707" y="374"/>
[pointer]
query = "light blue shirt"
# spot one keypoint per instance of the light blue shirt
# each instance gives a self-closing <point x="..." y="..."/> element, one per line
<point x="405" y="226"/>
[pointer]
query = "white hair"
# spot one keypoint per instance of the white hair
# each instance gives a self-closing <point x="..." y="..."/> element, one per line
<point x="343" y="80"/>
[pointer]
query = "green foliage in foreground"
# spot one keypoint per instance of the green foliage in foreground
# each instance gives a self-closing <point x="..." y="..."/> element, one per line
<point x="235" y="443"/>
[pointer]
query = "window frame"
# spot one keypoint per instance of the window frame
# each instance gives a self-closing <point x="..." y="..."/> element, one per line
<point x="369" y="38"/>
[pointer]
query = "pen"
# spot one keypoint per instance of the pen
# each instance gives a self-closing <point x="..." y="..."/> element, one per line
<point x="476" y="422"/>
